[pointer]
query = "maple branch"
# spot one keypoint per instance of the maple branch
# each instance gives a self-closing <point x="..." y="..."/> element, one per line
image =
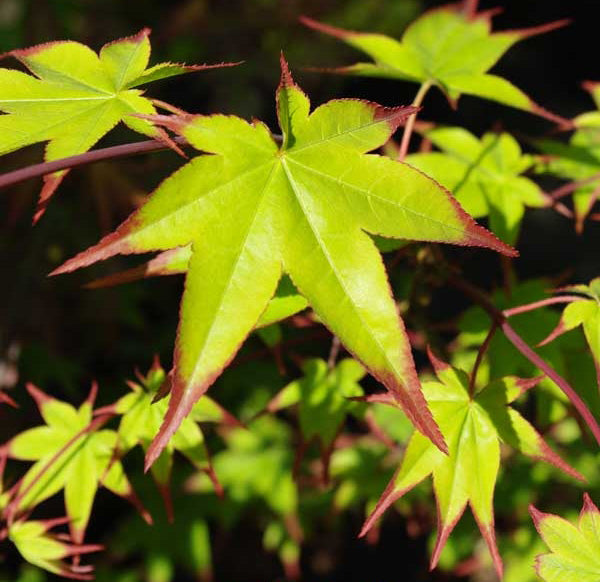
<point x="572" y="186"/>
<point x="91" y="157"/>
<point x="410" y="124"/>
<point x="482" y="350"/>
<point x="120" y="151"/>
<point x="333" y="352"/>
<point x="500" y="319"/>
<point x="537" y="304"/>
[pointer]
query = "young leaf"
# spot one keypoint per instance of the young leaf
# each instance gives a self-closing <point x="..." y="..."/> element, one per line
<point x="574" y="549"/>
<point x="253" y="210"/>
<point x="484" y="175"/>
<point x="473" y="427"/>
<point x="447" y="48"/>
<point x="324" y="401"/>
<point x="70" y="453"/>
<point x="76" y="96"/>
<point x="579" y="160"/>
<point x="48" y="551"/>
<point x="141" y="419"/>
<point x="584" y="312"/>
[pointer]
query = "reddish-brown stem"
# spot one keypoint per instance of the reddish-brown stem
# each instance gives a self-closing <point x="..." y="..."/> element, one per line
<point x="333" y="352"/>
<point x="534" y="358"/>
<point x="120" y="151"/>
<point x="410" y="124"/>
<point x="572" y="186"/>
<point x="542" y="303"/>
<point x="482" y="350"/>
<point x="500" y="319"/>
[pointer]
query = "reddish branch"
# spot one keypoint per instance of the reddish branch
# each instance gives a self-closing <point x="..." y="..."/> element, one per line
<point x="120" y="151"/>
<point x="500" y="318"/>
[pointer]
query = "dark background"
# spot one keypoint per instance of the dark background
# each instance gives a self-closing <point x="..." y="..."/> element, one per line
<point x="61" y="337"/>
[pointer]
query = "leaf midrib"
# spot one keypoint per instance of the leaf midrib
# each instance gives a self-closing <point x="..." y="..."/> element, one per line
<point x="340" y="280"/>
<point x="241" y="250"/>
<point x="367" y="193"/>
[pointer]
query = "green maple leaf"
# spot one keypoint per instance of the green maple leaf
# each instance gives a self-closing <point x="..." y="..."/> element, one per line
<point x="484" y="175"/>
<point x="257" y="465"/>
<point x="579" y="160"/>
<point x="70" y="453"/>
<point x="473" y="427"/>
<point x="141" y="420"/>
<point x="584" y="312"/>
<point x="574" y="549"/>
<point x="46" y="550"/>
<point x="77" y="96"/>
<point x="323" y="396"/>
<point x="447" y="48"/>
<point x="286" y="302"/>
<point x="255" y="209"/>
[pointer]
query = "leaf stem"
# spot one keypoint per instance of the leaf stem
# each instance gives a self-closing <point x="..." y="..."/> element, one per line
<point x="333" y="352"/>
<point x="410" y="124"/>
<point x="537" y="304"/>
<point x="500" y="319"/>
<point x="120" y="151"/>
<point x="482" y="350"/>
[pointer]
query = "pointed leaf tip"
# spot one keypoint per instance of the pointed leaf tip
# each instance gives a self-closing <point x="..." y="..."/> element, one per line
<point x="588" y="505"/>
<point x="183" y="398"/>
<point x="286" y="77"/>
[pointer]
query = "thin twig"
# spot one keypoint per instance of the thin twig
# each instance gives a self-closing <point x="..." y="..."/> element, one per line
<point x="482" y="350"/>
<point x="120" y="151"/>
<point x="410" y="124"/>
<point x="333" y="352"/>
<point x="500" y="319"/>
<point x="537" y="304"/>
<point x="572" y="186"/>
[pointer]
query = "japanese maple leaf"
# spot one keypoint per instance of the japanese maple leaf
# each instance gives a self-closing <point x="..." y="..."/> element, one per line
<point x="473" y="426"/>
<point x="71" y="453"/>
<point x="141" y="418"/>
<point x="484" y="175"/>
<point x="256" y="209"/>
<point x="574" y="549"/>
<point x="77" y="96"/>
<point x="584" y="312"/>
<point x="323" y="396"/>
<point x="579" y="160"/>
<point x="47" y="550"/>
<point x="447" y="47"/>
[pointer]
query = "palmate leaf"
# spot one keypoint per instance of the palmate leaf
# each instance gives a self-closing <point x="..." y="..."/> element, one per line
<point x="49" y="551"/>
<point x="484" y="175"/>
<point x="324" y="399"/>
<point x="579" y="160"/>
<point x="584" y="312"/>
<point x="574" y="549"/>
<point x="141" y="418"/>
<point x="473" y="427"/>
<point x="255" y="209"/>
<point x="76" y="96"/>
<point x="70" y="452"/>
<point x="445" y="47"/>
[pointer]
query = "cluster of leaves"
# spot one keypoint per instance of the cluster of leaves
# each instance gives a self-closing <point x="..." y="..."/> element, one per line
<point x="266" y="226"/>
